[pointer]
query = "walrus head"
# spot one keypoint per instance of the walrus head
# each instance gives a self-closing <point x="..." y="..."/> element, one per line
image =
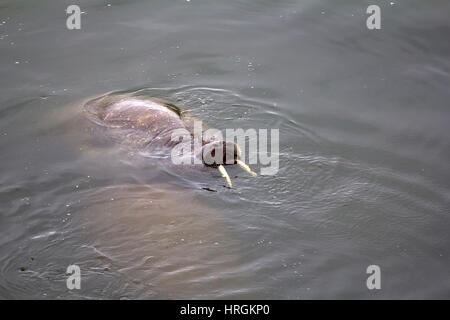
<point x="219" y="153"/>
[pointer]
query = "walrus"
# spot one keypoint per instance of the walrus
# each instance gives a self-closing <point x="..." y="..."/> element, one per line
<point x="149" y="123"/>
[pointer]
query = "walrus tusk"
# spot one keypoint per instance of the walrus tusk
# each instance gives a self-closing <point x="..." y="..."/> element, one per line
<point x="246" y="168"/>
<point x="225" y="175"/>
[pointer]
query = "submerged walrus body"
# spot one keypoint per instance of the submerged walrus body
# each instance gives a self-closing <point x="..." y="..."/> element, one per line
<point x="149" y="124"/>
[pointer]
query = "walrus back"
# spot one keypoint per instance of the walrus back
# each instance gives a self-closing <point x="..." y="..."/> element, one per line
<point x="136" y="120"/>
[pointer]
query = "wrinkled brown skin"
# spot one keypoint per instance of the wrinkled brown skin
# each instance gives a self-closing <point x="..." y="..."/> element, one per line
<point x="134" y="120"/>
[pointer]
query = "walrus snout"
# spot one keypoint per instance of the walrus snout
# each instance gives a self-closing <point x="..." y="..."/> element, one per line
<point x="220" y="153"/>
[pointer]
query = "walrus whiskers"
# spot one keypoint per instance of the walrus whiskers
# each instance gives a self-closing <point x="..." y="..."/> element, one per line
<point x="225" y="175"/>
<point x="246" y="168"/>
